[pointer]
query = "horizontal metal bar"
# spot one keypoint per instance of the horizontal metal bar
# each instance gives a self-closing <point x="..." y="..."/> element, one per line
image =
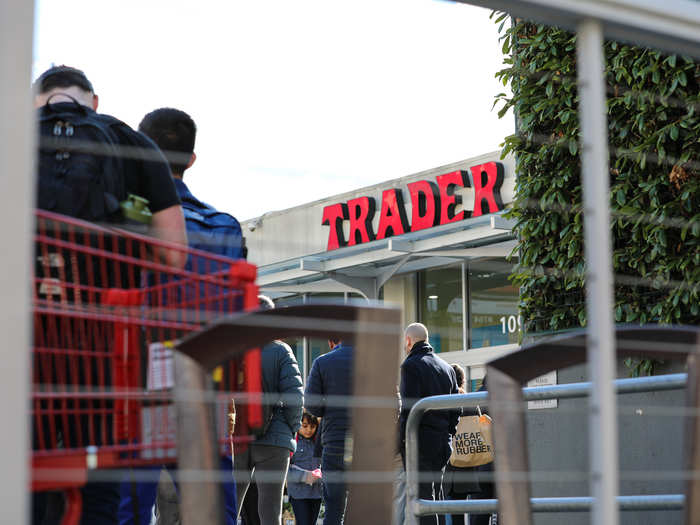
<point x="580" y="504"/>
<point x="673" y="26"/>
<point x="572" y="390"/>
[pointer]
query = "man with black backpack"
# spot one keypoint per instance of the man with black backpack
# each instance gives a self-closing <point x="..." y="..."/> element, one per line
<point x="90" y="163"/>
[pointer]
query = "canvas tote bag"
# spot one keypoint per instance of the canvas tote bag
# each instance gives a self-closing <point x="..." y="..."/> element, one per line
<point x="473" y="443"/>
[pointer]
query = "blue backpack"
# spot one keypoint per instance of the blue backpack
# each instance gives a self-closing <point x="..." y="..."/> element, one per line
<point x="212" y="231"/>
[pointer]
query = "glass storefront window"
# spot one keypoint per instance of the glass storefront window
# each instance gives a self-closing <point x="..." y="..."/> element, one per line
<point x="493" y="307"/>
<point x="440" y="307"/>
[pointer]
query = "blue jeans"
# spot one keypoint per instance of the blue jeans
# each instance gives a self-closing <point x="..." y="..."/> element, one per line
<point x="141" y="495"/>
<point x="305" y="510"/>
<point x="334" y="492"/>
<point x="400" y="497"/>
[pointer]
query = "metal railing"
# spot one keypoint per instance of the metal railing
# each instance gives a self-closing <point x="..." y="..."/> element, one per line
<point x="416" y="507"/>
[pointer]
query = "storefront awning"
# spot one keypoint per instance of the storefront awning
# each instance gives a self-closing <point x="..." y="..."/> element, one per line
<point x="365" y="268"/>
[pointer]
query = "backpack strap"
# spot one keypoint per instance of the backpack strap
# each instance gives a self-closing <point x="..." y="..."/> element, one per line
<point x="77" y="104"/>
<point x="191" y="202"/>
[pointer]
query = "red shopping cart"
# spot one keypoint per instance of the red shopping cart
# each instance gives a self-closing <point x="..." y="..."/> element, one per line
<point x="107" y="312"/>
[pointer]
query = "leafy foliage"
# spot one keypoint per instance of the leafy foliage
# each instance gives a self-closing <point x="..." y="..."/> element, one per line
<point x="654" y="140"/>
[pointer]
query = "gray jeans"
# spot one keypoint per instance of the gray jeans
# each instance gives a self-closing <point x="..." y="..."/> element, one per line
<point x="269" y="465"/>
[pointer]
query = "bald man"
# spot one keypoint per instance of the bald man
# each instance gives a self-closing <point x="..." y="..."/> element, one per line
<point x="424" y="374"/>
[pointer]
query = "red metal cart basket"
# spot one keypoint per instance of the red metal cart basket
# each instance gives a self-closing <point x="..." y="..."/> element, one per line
<point x="106" y="311"/>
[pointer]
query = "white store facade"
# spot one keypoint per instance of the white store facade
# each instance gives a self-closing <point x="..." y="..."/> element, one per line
<point x="434" y="243"/>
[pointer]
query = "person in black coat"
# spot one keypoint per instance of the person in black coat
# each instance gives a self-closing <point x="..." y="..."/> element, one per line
<point x="331" y="377"/>
<point x="458" y="483"/>
<point x="424" y="374"/>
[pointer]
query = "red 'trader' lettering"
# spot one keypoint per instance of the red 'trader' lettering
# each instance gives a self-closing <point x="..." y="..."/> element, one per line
<point x="487" y="180"/>
<point x="449" y="201"/>
<point x="333" y="216"/>
<point x="361" y="213"/>
<point x="425" y="201"/>
<point x="392" y="218"/>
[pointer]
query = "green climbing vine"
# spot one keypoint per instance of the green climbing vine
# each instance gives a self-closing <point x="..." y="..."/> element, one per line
<point x="654" y="139"/>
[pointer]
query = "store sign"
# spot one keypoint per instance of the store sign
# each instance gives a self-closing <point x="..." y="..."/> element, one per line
<point x="432" y="203"/>
<point x="548" y="379"/>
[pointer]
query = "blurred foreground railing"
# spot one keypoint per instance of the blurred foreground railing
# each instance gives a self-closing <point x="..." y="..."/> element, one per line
<point x="416" y="507"/>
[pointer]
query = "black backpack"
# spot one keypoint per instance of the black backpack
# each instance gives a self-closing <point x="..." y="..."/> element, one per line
<point x="81" y="173"/>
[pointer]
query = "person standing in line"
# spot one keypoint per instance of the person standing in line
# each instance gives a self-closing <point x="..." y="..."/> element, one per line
<point x="66" y="91"/>
<point x="331" y="376"/>
<point x="399" y="496"/>
<point x="208" y="229"/>
<point x="268" y="456"/>
<point x="303" y="479"/>
<point x="460" y="482"/>
<point x="424" y="374"/>
<point x="87" y="169"/>
<point x="174" y="132"/>
<point x="484" y="474"/>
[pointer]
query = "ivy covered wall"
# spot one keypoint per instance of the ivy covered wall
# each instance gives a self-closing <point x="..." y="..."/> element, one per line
<point x="654" y="140"/>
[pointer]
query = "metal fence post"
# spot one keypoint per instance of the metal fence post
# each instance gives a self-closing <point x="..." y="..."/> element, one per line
<point x="599" y="279"/>
<point x="16" y="188"/>
<point x="411" y="465"/>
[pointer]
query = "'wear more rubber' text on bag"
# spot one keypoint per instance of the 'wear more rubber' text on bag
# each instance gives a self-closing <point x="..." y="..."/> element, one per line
<point x="473" y="443"/>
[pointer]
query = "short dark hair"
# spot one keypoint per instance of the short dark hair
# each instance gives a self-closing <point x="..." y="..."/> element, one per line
<point x="335" y="340"/>
<point x="62" y="77"/>
<point x="174" y="132"/>
<point x="459" y="372"/>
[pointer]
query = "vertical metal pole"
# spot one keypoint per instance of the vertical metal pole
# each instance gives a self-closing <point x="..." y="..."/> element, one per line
<point x="412" y="473"/>
<point x="465" y="320"/>
<point x="599" y="277"/>
<point x="17" y="189"/>
<point x="306" y="351"/>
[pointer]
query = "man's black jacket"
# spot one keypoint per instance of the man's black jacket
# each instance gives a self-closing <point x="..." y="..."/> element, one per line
<point x="424" y="374"/>
<point x="331" y="376"/>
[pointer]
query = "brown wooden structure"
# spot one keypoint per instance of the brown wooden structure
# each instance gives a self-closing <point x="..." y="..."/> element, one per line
<point x="376" y="334"/>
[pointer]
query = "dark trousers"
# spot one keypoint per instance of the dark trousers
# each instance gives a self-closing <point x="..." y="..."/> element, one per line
<point x="138" y="497"/>
<point x="305" y="510"/>
<point x="100" y="503"/>
<point x="249" y="507"/>
<point x="269" y="465"/>
<point x="430" y="476"/>
<point x="334" y="490"/>
<point x="487" y="492"/>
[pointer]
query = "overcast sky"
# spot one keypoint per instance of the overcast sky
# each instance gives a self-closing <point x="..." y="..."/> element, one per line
<point x="295" y="100"/>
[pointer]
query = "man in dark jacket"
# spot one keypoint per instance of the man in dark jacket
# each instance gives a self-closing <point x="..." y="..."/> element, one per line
<point x="424" y="374"/>
<point x="66" y="91"/>
<point x="331" y="376"/>
<point x="268" y="457"/>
